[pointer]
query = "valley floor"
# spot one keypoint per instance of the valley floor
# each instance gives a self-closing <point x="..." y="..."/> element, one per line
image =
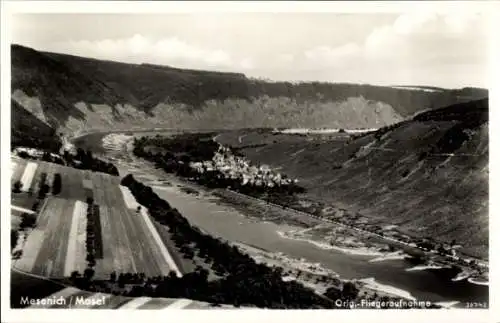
<point x="343" y="240"/>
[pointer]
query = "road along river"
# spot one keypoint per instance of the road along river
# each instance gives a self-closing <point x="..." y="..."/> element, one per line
<point x="224" y="221"/>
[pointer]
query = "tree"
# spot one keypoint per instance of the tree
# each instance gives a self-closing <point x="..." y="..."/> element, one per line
<point x="28" y="221"/>
<point x="333" y="293"/>
<point x="121" y="280"/>
<point x="46" y="156"/>
<point x="88" y="273"/>
<point x="13" y="239"/>
<point x="56" y="184"/>
<point x="44" y="189"/>
<point x="17" y="187"/>
<point x="349" y="291"/>
<point x="74" y="275"/>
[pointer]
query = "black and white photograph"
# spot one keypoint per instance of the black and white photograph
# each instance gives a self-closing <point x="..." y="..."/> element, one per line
<point x="247" y="159"/>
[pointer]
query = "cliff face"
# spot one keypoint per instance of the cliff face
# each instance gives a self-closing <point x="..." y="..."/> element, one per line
<point x="74" y="94"/>
<point x="428" y="175"/>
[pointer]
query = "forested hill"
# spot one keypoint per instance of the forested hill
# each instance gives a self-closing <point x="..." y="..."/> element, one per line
<point x="75" y="93"/>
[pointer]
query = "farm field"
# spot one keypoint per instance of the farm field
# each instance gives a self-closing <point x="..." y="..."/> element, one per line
<point x="128" y="245"/>
<point x="184" y="265"/>
<point x="22" y="200"/>
<point x="46" y="247"/>
<point x="28" y="175"/>
<point x="56" y="245"/>
<point x="75" y="259"/>
<point x="17" y="169"/>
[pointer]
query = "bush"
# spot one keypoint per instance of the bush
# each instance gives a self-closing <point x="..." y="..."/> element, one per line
<point x="35" y="206"/>
<point x="349" y="291"/>
<point x="56" y="185"/>
<point x="17" y="187"/>
<point x="44" y="189"/>
<point x="13" y="238"/>
<point x="74" y="275"/>
<point x="88" y="273"/>
<point x="28" y="221"/>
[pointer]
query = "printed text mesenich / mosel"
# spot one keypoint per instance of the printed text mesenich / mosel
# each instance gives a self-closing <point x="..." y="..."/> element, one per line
<point x="61" y="301"/>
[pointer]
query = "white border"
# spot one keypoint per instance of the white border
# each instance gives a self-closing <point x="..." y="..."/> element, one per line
<point x="10" y="7"/>
<point x="244" y="6"/>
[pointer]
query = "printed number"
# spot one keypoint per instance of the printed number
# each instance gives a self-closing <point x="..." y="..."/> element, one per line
<point x="476" y="305"/>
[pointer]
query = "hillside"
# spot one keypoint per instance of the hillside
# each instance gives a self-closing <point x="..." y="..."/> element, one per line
<point x="427" y="175"/>
<point x="29" y="131"/>
<point x="74" y="94"/>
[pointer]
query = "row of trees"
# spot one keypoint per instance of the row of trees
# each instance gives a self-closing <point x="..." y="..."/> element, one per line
<point x="243" y="280"/>
<point x="16" y="188"/>
<point x="93" y="245"/>
<point x="43" y="188"/>
<point x="94" y="238"/>
<point x="85" y="160"/>
<point x="14" y="235"/>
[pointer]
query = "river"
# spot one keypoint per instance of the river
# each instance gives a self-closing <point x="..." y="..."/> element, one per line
<point x="230" y="224"/>
<point x="221" y="220"/>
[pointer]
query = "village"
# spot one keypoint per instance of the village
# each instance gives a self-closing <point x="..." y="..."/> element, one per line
<point x="236" y="167"/>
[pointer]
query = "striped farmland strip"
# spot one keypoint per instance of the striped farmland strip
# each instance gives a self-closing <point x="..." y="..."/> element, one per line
<point x="157" y="303"/>
<point x="13" y="166"/>
<point x="18" y="171"/>
<point x="115" y="302"/>
<point x="34" y="241"/>
<point x="87" y="183"/>
<point x="129" y="198"/>
<point x="135" y="303"/>
<point x="27" y="178"/>
<point x="163" y="250"/>
<point x="181" y="303"/>
<point x="21" y="209"/>
<point x="79" y="211"/>
<point x="81" y="235"/>
<point x="51" y="257"/>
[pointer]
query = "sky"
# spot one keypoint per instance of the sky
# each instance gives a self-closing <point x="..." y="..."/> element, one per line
<point x="418" y="48"/>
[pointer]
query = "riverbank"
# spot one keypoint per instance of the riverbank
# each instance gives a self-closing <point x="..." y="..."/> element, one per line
<point x="344" y="243"/>
<point x="219" y="218"/>
<point x="314" y="276"/>
<point x="310" y="274"/>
